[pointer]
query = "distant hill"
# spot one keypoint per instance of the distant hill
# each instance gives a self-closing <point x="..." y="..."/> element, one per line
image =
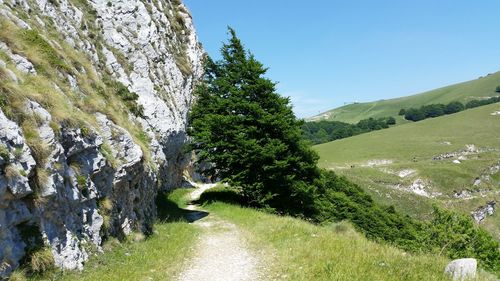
<point x="451" y="160"/>
<point x="463" y="92"/>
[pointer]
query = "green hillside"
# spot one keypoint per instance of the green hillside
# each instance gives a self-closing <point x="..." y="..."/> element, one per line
<point x="396" y="165"/>
<point x="463" y="92"/>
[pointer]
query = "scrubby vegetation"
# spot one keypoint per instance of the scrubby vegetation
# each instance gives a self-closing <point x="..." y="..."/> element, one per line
<point x="254" y="141"/>
<point x="436" y="110"/>
<point x="326" y="131"/>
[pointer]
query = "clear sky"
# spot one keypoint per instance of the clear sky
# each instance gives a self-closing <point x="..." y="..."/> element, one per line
<point x="325" y="53"/>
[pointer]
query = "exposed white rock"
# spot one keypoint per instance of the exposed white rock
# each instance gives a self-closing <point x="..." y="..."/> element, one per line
<point x="419" y="187"/>
<point x="482" y="212"/>
<point x="406" y="173"/>
<point x="15" y="167"/>
<point x="23" y="64"/>
<point x="377" y="162"/>
<point x="462" y="269"/>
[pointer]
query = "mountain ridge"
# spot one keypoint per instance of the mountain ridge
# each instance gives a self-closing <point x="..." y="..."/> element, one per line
<point x="473" y="89"/>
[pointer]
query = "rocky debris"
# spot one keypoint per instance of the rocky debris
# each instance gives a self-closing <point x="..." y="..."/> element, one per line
<point x="463" y="194"/>
<point x="488" y="172"/>
<point x="377" y="162"/>
<point x="456" y="161"/>
<point x="482" y="212"/>
<point x="419" y="187"/>
<point x="470" y="149"/>
<point x="462" y="269"/>
<point x="406" y="173"/>
<point x="495" y="113"/>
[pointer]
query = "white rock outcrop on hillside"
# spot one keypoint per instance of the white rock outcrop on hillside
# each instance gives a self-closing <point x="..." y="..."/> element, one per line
<point x="153" y="56"/>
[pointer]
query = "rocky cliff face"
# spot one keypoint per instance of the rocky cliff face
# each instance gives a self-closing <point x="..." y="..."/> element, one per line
<point x="93" y="103"/>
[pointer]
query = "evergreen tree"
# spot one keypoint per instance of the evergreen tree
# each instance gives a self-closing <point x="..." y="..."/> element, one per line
<point x="250" y="133"/>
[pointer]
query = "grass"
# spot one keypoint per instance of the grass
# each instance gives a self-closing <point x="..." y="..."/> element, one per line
<point x="297" y="250"/>
<point x="412" y="146"/>
<point x="291" y="249"/>
<point x="463" y="92"/>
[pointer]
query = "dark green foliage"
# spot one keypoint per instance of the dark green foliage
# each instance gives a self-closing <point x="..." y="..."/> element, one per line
<point x="338" y="199"/>
<point x="4" y="153"/>
<point x="497" y="89"/>
<point x="402" y="112"/>
<point x="435" y="110"/>
<point x="477" y="103"/>
<point x="456" y="236"/>
<point x="454" y="107"/>
<point x="414" y="114"/>
<point x="391" y="121"/>
<point x="251" y="135"/>
<point x="326" y="131"/>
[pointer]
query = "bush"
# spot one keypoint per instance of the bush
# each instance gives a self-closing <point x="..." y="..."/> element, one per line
<point x="497" y="89"/>
<point x="402" y="112"/>
<point x="414" y="114"/>
<point x="433" y="110"/>
<point x="325" y="131"/>
<point x="391" y="121"/>
<point x="454" y="107"/>
<point x="4" y="153"/>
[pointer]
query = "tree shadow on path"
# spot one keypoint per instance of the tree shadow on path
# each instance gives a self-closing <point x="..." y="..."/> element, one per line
<point x="169" y="211"/>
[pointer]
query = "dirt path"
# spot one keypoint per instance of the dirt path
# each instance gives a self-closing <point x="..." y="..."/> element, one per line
<point x="221" y="253"/>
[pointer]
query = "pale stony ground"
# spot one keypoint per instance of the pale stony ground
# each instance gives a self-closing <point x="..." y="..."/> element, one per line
<point x="221" y="251"/>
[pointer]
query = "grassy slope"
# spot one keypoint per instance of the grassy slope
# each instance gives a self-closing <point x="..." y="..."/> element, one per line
<point x="412" y="146"/>
<point x="303" y="251"/>
<point x="291" y="249"/>
<point x="483" y="87"/>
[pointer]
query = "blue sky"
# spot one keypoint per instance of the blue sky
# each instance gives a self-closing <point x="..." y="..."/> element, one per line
<point x="326" y="53"/>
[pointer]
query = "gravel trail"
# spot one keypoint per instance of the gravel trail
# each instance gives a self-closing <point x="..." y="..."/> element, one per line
<point x="221" y="252"/>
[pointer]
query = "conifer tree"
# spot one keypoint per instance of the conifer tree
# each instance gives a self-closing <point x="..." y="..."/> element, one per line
<point x="250" y="133"/>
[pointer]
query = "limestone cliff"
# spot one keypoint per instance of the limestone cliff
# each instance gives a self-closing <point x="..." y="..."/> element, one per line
<point x="94" y="97"/>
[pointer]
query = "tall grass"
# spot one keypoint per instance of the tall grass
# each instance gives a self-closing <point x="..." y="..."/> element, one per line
<point x="296" y="250"/>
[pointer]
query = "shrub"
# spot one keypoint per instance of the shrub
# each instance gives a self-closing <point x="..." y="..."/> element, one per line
<point x="454" y="107"/>
<point x="4" y="153"/>
<point x="497" y="89"/>
<point x="391" y="121"/>
<point x="402" y="112"/>
<point x="414" y="114"/>
<point x="325" y="131"/>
